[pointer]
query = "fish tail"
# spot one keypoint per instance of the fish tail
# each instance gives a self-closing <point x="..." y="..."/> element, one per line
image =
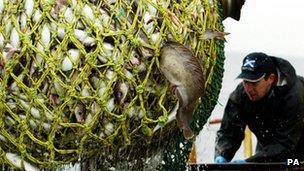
<point x="188" y="133"/>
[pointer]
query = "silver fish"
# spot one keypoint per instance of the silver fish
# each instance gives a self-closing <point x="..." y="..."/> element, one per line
<point x="88" y="12"/>
<point x="2" y="7"/>
<point x="18" y="162"/>
<point x="36" y="16"/>
<point x="1" y="41"/>
<point x="208" y="34"/>
<point x="120" y="91"/>
<point x="80" y="113"/>
<point x="29" y="7"/>
<point x="15" y="39"/>
<point x="60" y="4"/>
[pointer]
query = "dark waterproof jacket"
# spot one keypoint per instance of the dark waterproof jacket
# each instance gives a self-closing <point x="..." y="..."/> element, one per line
<point x="277" y="120"/>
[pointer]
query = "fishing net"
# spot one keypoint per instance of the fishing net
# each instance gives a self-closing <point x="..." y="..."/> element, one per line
<point x="80" y="80"/>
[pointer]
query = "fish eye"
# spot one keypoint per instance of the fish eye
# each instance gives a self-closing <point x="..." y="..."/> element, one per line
<point x="119" y="94"/>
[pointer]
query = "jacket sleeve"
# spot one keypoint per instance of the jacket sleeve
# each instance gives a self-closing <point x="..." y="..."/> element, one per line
<point x="287" y="133"/>
<point x="231" y="133"/>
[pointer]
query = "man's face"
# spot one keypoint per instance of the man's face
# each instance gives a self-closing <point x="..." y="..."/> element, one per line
<point x="257" y="90"/>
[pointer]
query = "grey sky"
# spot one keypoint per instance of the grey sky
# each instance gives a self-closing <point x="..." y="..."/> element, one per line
<point x="272" y="26"/>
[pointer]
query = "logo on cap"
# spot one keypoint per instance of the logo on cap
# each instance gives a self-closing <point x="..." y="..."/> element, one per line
<point x="249" y="64"/>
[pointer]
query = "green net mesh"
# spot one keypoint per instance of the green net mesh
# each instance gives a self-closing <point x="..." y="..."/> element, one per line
<point x="80" y="79"/>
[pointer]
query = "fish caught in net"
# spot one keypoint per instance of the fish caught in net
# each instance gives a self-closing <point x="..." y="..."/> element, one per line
<point x="80" y="79"/>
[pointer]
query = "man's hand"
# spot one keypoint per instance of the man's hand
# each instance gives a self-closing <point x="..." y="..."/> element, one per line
<point x="238" y="161"/>
<point x="220" y="159"/>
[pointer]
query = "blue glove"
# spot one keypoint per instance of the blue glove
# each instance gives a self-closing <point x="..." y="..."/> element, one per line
<point x="238" y="161"/>
<point x="220" y="159"/>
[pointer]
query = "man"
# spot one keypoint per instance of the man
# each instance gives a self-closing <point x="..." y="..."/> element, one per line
<point x="270" y="100"/>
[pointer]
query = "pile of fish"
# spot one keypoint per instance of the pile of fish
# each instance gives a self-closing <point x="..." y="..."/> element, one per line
<point x="81" y="76"/>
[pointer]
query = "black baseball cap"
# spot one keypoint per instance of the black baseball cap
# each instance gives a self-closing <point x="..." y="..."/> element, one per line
<point x="256" y="66"/>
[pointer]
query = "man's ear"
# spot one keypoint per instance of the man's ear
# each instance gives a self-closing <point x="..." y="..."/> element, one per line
<point x="273" y="77"/>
